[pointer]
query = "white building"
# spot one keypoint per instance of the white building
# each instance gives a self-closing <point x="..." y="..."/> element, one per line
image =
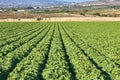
<point x="20" y="10"/>
<point x="1" y="10"/>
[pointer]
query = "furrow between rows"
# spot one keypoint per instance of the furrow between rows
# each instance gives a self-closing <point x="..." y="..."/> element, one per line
<point x="12" y="59"/>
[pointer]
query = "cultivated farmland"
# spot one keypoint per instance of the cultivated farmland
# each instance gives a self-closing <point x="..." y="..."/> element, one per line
<point x="59" y="51"/>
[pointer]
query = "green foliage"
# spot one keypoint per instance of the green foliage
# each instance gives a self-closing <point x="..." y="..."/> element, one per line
<point x="60" y="51"/>
<point x="97" y="14"/>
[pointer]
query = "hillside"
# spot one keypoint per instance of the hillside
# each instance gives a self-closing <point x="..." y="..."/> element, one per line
<point x="100" y="2"/>
<point x="26" y="3"/>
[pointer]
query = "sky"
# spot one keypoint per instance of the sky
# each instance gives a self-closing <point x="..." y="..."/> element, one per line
<point x="75" y="0"/>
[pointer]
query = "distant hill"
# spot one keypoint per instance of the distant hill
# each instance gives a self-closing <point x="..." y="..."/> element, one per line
<point x="49" y="3"/>
<point x="108" y="0"/>
<point x="26" y="3"/>
<point x="100" y="2"/>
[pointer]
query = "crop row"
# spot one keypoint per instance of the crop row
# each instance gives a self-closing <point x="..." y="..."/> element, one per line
<point x="19" y="42"/>
<point x="59" y="51"/>
<point x="30" y="68"/>
<point x="9" y="62"/>
<point x="8" y="41"/>
<point x="14" y="29"/>
<point x="108" y="68"/>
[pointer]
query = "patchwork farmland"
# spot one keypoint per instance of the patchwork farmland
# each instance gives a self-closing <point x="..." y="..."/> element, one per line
<point x="59" y="50"/>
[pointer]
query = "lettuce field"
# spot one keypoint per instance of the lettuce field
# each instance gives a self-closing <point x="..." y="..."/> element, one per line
<point x="59" y="50"/>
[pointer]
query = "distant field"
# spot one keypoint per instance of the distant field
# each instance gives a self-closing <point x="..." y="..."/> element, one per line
<point x="60" y="51"/>
<point x="34" y="15"/>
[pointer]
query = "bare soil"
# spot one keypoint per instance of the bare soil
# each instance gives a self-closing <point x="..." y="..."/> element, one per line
<point x="53" y="19"/>
<point x="28" y="17"/>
